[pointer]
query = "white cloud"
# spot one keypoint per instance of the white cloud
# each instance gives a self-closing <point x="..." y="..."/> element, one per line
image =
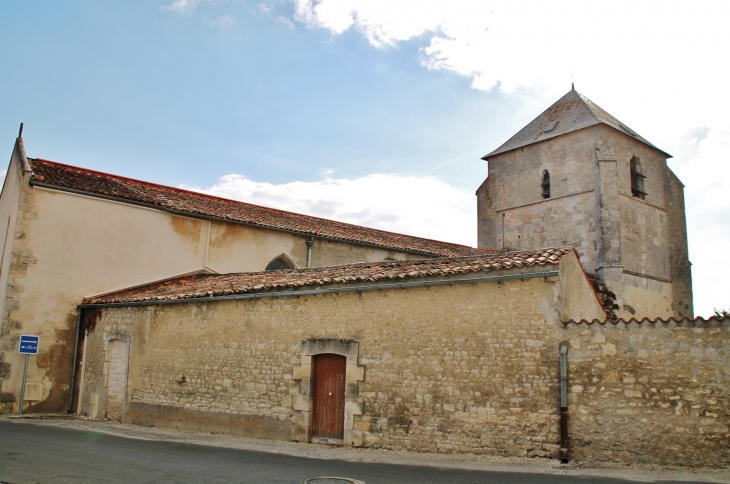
<point x="420" y="206"/>
<point x="534" y="42"/>
<point x="290" y="25"/>
<point x="224" y="21"/>
<point x="660" y="70"/>
<point x="707" y="185"/>
<point x="382" y="22"/>
<point x="182" y="6"/>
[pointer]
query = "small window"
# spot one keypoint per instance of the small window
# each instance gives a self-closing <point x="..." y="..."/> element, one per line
<point x="550" y="127"/>
<point x="279" y="264"/>
<point x="545" y="184"/>
<point x="637" y="179"/>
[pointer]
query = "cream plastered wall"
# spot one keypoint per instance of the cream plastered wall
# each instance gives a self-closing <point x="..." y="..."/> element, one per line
<point x="9" y="205"/>
<point x="68" y="246"/>
<point x="461" y="368"/>
<point x="241" y="248"/>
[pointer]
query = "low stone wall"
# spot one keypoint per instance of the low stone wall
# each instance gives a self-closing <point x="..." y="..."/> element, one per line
<point x="463" y="368"/>
<point x="650" y="392"/>
<point x="468" y="368"/>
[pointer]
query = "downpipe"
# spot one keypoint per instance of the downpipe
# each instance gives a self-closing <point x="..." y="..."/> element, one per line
<point x="76" y="354"/>
<point x="564" y="404"/>
<point x="310" y="244"/>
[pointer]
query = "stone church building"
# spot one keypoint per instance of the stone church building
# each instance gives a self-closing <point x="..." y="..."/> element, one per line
<point x="165" y="307"/>
<point x="578" y="176"/>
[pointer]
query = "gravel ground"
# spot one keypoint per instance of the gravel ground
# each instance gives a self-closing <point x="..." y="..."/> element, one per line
<point x="637" y="472"/>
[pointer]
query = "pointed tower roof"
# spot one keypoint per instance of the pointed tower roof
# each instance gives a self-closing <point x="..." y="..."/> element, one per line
<point x="570" y="113"/>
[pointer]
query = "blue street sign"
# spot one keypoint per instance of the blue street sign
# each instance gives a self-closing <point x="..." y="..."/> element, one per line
<point x="29" y="344"/>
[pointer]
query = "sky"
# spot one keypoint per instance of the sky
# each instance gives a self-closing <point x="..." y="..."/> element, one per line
<point x="374" y="112"/>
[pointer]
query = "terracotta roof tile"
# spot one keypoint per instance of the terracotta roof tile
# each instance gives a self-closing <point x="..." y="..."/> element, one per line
<point x="655" y="321"/>
<point x="71" y="178"/>
<point x="211" y="285"/>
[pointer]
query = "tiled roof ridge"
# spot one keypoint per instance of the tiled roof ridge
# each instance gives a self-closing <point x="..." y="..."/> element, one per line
<point x="212" y="285"/>
<point x="657" y="320"/>
<point x="222" y="200"/>
<point x="136" y="181"/>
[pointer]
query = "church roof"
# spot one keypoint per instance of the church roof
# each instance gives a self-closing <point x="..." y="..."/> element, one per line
<point x="570" y="113"/>
<point x="63" y="177"/>
<point x="288" y="281"/>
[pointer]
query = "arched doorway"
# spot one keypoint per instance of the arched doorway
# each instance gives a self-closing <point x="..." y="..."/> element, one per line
<point x="328" y="421"/>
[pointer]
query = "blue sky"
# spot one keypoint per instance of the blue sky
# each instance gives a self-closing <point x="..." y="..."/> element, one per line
<point x="135" y="88"/>
<point x="367" y="111"/>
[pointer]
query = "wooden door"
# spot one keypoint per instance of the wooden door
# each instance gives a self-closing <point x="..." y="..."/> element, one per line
<point x="329" y="396"/>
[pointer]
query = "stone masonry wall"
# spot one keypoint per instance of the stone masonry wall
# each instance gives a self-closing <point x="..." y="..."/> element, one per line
<point x="646" y="298"/>
<point x="513" y="189"/>
<point x="463" y="368"/>
<point x="479" y="374"/>
<point x="54" y="258"/>
<point x="650" y="392"/>
<point x="592" y="208"/>
<point x="678" y="251"/>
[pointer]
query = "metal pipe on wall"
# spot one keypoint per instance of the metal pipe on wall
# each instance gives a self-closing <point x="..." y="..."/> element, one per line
<point x="564" y="403"/>
<point x="76" y="353"/>
<point x="310" y="244"/>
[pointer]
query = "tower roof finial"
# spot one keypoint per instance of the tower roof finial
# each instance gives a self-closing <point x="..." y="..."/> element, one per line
<point x="572" y="86"/>
<point x="20" y="132"/>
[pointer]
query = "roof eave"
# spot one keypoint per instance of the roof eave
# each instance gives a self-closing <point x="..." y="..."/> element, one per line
<point x="423" y="281"/>
<point x="640" y="140"/>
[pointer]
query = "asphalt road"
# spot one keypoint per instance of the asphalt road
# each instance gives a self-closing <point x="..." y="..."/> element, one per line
<point x="43" y="454"/>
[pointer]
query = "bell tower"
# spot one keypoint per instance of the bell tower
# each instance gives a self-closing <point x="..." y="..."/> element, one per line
<point x="577" y="176"/>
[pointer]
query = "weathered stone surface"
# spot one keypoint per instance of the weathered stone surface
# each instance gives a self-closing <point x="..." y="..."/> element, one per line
<point x="462" y="368"/>
<point x="261" y="426"/>
<point x="54" y="258"/>
<point x="467" y="368"/>
<point x="650" y="393"/>
<point x="353" y="438"/>
<point x="638" y="246"/>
